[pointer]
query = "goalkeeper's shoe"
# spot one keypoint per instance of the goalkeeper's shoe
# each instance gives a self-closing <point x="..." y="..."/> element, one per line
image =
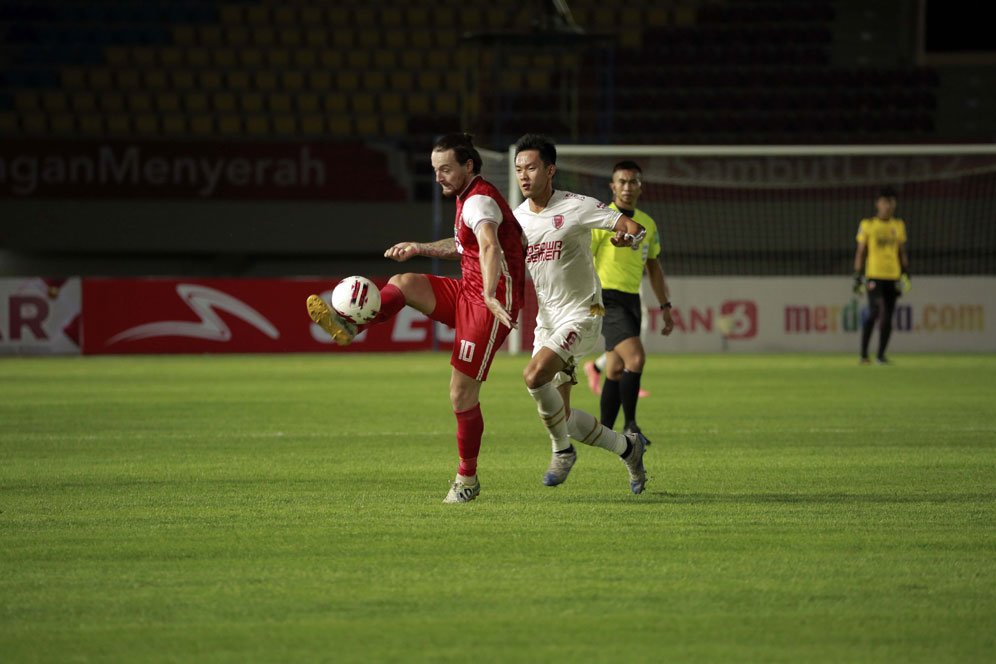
<point x="462" y="493"/>
<point x="340" y="329"/>
<point x="560" y="467"/>
<point x="634" y="462"/>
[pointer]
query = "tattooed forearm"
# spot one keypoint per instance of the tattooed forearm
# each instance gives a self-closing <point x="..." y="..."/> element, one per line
<point x="439" y="249"/>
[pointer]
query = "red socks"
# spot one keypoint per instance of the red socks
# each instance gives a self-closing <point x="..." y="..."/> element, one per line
<point x="470" y="429"/>
<point x="392" y="300"/>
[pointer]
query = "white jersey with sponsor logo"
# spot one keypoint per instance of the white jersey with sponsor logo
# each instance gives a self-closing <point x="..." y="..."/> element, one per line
<point x="558" y="254"/>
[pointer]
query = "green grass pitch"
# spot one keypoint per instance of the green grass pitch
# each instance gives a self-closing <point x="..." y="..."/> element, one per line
<point x="800" y="508"/>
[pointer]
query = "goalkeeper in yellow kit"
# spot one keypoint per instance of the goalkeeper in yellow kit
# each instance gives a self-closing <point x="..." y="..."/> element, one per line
<point x="881" y="267"/>
<point x="621" y="273"/>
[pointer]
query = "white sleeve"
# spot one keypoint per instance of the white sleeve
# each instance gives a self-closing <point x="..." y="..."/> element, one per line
<point x="480" y="209"/>
<point x="592" y="213"/>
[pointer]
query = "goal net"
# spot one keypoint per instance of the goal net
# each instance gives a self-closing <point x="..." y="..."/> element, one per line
<point x="794" y="210"/>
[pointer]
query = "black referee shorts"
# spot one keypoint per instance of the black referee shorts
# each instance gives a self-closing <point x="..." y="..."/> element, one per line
<point x="623" y="315"/>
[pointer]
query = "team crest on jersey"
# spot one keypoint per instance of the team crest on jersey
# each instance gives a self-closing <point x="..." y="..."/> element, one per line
<point x="558" y="221"/>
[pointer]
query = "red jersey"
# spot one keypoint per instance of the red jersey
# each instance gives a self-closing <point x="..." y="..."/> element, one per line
<point x="481" y="202"/>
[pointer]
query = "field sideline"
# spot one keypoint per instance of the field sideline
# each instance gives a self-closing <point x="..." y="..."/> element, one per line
<point x="287" y="509"/>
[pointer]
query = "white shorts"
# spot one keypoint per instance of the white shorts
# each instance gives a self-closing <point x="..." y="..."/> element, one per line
<point x="571" y="340"/>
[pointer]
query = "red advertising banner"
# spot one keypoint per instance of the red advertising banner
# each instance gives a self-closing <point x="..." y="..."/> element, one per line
<point x="123" y="316"/>
<point x="198" y="170"/>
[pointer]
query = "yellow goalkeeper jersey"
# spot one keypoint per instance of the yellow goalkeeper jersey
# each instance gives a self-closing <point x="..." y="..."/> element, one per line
<point x="621" y="268"/>
<point x="883" y="238"/>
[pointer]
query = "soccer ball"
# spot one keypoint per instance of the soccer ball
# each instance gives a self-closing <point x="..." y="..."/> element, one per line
<point x="357" y="299"/>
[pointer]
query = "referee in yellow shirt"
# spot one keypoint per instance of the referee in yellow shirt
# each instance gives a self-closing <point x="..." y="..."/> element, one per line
<point x="882" y="253"/>
<point x="621" y="273"/>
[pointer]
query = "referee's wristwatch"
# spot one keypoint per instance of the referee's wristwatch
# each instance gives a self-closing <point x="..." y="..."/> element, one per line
<point x="666" y="305"/>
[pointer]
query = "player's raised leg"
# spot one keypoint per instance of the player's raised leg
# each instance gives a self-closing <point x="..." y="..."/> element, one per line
<point x="539" y="376"/>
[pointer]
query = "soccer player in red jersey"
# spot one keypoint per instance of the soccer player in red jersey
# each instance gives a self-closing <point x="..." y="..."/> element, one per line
<point x="482" y="305"/>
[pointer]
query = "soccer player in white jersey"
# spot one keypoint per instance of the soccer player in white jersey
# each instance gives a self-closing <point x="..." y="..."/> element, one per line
<point x="557" y="225"/>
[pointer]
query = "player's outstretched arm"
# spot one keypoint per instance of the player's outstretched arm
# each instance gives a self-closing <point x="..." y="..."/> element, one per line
<point x="445" y="248"/>
<point x="628" y="233"/>
<point x="491" y="257"/>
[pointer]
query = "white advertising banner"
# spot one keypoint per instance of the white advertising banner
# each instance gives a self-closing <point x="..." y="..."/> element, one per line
<point x="776" y="314"/>
<point x="40" y="316"/>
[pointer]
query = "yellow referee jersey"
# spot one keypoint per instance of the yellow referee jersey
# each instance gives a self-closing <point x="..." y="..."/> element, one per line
<point x="621" y="268"/>
<point x="882" y="237"/>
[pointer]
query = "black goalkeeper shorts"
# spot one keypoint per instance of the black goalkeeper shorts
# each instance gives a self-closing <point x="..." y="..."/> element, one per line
<point x="623" y="315"/>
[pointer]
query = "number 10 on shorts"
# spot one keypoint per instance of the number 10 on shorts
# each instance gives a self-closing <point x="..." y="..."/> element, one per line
<point x="467" y="350"/>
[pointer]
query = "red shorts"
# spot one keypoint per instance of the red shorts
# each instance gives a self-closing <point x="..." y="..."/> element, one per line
<point x="479" y="335"/>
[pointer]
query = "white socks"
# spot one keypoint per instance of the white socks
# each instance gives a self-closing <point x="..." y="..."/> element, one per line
<point x="550" y="405"/>
<point x="585" y="428"/>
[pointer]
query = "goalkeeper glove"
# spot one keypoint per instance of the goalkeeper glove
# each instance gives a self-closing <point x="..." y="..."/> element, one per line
<point x="859" y="283"/>
<point x="905" y="284"/>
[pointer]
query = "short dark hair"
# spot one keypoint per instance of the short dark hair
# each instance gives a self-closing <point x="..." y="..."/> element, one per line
<point x="627" y="165"/>
<point x="887" y="192"/>
<point x="547" y="150"/>
<point x="463" y="148"/>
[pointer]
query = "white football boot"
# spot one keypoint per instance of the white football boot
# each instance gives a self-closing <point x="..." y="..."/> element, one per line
<point x="560" y="466"/>
<point x="462" y="493"/>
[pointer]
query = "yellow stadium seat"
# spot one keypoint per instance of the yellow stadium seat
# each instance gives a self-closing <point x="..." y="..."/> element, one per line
<point x="510" y="80"/>
<point x="453" y="81"/>
<point x="278" y="57"/>
<point x="171" y="56"/>
<point x="167" y="102"/>
<point x="365" y="16"/>
<point x="174" y="125"/>
<point x="418" y="102"/>
<point x="358" y="59"/>
<point x="293" y="80"/>
<point x="258" y="125"/>
<point x="363" y="103"/>
<point x="418" y="17"/>
<point x="238" y="79"/>
<point x="35" y="125"/>
<point x="340" y="125"/>
<point x="54" y="100"/>
<point x="100" y="79"/>
<point x="285" y="125"/>
<point x="420" y="38"/>
<point x="281" y="102"/>
<point x="8" y="122"/>
<point x="391" y="102"/>
<point x="112" y="101"/>
<point x="198" y="57"/>
<point x="319" y="80"/>
<point x="258" y="14"/>
<point x="266" y="80"/>
<point x="308" y="102"/>
<point x="263" y="36"/>
<point x="430" y="80"/>
<point x="330" y="58"/>
<point x="28" y="100"/>
<point x="184" y="34"/>
<point x="128" y="79"/>
<point x="230" y="125"/>
<point x="140" y="102"/>
<point x="336" y="102"/>
<point x="396" y="39"/>
<point x="343" y="38"/>
<point x="211" y="79"/>
<point x="224" y="102"/>
<point x="84" y="102"/>
<point x="183" y="79"/>
<point x="684" y="16"/>
<point x="369" y="39"/>
<point x="402" y="80"/>
<point x="411" y="59"/>
<point x="311" y="15"/>
<point x="472" y="18"/>
<point x="337" y="16"/>
<point x="496" y="18"/>
<point x="195" y="102"/>
<point x="537" y="80"/>
<point x="224" y="57"/>
<point x="212" y="36"/>
<point x="147" y="124"/>
<point x="658" y="17"/>
<point x="316" y="37"/>
<point x="118" y="56"/>
<point x="395" y="125"/>
<point x="251" y="102"/>
<point x="305" y="58"/>
<point x="235" y="35"/>
<point x="141" y="56"/>
<point x="391" y="17"/>
<point x="367" y="125"/>
<point x="283" y="15"/>
<point x="437" y="58"/>
<point x="250" y="57"/>
<point x="313" y="124"/>
<point x="91" y="124"/>
<point x="202" y="125"/>
<point x="155" y="79"/>
<point x="63" y="123"/>
<point x="233" y="14"/>
<point x="384" y="58"/>
<point x="118" y="124"/>
<point x="375" y="81"/>
<point x="348" y="80"/>
<point x="446" y="103"/>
